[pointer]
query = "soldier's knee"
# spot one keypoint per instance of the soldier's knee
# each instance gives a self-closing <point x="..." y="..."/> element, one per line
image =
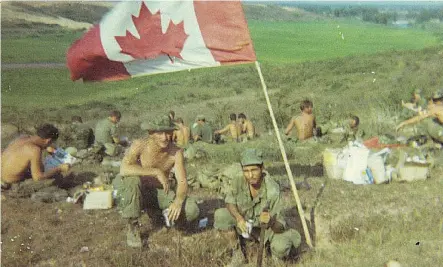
<point x="281" y="244"/>
<point x="223" y="220"/>
<point x="192" y="210"/>
<point x="280" y="249"/>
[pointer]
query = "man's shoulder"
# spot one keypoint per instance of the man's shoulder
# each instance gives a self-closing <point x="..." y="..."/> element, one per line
<point x="272" y="187"/>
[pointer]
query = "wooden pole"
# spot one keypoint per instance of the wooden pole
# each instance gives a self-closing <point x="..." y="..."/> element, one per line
<point x="285" y="159"/>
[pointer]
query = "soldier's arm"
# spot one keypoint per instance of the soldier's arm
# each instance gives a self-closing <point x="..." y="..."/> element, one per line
<point x="130" y="165"/>
<point x="224" y="130"/>
<point x="36" y="166"/>
<point x="174" y="136"/>
<point x="290" y="126"/>
<point x="180" y="175"/>
<point x="232" y="208"/>
<point x="114" y="135"/>
<point x="250" y="129"/>
<point x="416" y="119"/>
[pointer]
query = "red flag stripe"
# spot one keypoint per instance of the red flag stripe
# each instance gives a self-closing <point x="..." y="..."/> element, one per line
<point x="214" y="18"/>
<point x="86" y="59"/>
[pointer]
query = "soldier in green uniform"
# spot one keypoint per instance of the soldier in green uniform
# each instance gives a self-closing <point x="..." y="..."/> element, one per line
<point x="245" y="204"/>
<point x="106" y="136"/>
<point x="144" y="181"/>
<point x="201" y="130"/>
<point x="352" y="130"/>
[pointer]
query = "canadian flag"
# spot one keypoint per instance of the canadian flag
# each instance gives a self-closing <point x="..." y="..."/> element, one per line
<point x="147" y="37"/>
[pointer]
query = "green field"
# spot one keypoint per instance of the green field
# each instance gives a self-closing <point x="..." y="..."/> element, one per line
<point x="274" y="42"/>
<point x="285" y="42"/>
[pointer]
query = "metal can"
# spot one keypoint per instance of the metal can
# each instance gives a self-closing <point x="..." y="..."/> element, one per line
<point x="165" y="213"/>
<point x="247" y="234"/>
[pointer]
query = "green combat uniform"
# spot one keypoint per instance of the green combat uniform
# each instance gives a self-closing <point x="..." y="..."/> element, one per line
<point x="204" y="131"/>
<point x="105" y="130"/>
<point x="132" y="198"/>
<point x="250" y="209"/>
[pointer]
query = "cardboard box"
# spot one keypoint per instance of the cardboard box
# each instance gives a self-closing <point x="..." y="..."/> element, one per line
<point x="98" y="200"/>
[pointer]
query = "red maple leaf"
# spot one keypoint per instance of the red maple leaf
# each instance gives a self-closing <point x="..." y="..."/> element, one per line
<point x="153" y="42"/>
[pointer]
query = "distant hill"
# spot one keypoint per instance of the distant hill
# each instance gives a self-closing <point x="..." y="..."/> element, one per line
<point x="81" y="15"/>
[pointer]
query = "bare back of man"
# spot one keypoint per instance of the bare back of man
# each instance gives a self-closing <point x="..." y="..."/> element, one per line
<point x="23" y="159"/>
<point x="304" y="124"/>
<point x="16" y="159"/>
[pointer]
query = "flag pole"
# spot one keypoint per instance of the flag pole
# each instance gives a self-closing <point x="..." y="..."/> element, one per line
<point x="285" y="159"/>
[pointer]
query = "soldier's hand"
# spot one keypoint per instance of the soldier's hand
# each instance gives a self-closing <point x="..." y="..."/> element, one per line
<point x="241" y="224"/>
<point x="164" y="180"/>
<point x="265" y="217"/>
<point x="64" y="167"/>
<point x="174" y="210"/>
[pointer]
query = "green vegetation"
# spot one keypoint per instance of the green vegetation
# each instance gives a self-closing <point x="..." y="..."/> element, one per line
<point x="36" y="48"/>
<point x="285" y="42"/>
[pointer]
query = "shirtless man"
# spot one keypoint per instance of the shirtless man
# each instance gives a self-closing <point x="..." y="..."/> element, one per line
<point x="23" y="157"/>
<point x="247" y="127"/>
<point x="145" y="172"/>
<point x="304" y="123"/>
<point x="233" y="128"/>
<point x="435" y="111"/>
<point x="181" y="135"/>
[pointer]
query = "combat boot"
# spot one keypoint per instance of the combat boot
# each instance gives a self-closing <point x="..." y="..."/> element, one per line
<point x="133" y="238"/>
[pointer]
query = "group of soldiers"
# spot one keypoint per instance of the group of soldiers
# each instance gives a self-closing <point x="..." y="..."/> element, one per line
<point x="145" y="180"/>
<point x="239" y="129"/>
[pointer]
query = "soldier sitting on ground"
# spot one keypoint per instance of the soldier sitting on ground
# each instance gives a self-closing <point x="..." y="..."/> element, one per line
<point x="22" y="158"/>
<point x="434" y="116"/>
<point x="304" y="123"/>
<point x="106" y="136"/>
<point x="233" y="128"/>
<point x="353" y="132"/>
<point x="181" y="135"/>
<point x="144" y="178"/>
<point x="201" y="131"/>
<point x="254" y="199"/>
<point x="247" y="128"/>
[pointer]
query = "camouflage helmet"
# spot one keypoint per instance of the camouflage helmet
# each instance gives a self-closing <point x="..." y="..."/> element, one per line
<point x="200" y="118"/>
<point x="251" y="156"/>
<point x="160" y="124"/>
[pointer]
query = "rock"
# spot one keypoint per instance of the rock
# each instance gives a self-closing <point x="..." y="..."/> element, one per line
<point x="50" y="194"/>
